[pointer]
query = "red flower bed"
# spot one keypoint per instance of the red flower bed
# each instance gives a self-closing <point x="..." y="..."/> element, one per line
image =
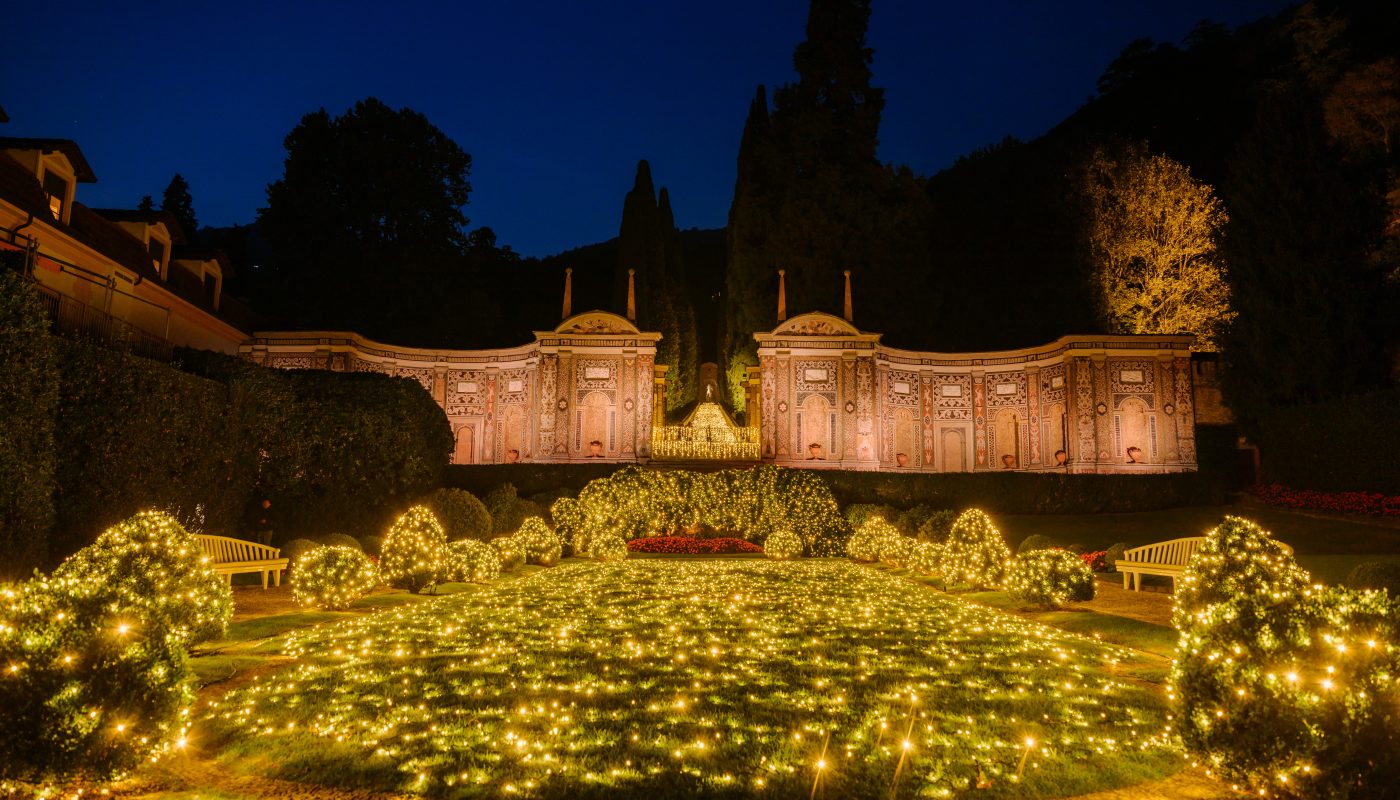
<point x="1372" y="503"/>
<point x="688" y="545"/>
<point x="1095" y="560"/>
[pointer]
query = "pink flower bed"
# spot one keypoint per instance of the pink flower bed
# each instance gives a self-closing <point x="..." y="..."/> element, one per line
<point x="687" y="545"/>
<point x="1372" y="503"/>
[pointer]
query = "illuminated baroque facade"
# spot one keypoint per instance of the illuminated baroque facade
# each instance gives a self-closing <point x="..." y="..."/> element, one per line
<point x="825" y="395"/>
<point x="583" y="391"/>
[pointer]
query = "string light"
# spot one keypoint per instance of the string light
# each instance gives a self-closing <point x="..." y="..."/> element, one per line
<point x="333" y="577"/>
<point x="472" y="561"/>
<point x="414" y="551"/>
<point x="783" y="545"/>
<point x="1050" y="578"/>
<point x="975" y="552"/>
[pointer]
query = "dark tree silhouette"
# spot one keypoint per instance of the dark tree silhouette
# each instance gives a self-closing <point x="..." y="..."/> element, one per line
<point x="177" y="201"/>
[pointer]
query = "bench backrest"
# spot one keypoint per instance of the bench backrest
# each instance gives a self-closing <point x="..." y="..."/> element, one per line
<point x="1176" y="553"/>
<point x="225" y="549"/>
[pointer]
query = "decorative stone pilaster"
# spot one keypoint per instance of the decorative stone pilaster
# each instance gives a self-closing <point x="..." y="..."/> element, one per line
<point x="979" y="418"/>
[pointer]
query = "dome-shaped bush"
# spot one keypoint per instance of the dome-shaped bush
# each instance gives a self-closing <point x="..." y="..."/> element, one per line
<point x="157" y="575"/>
<point x="783" y="544"/>
<point x="1050" y="578"/>
<point x="538" y="543"/>
<point x="341" y="540"/>
<point x="414" y="551"/>
<point x="512" y="557"/>
<point x="609" y="548"/>
<point x="1113" y="555"/>
<point x="896" y="550"/>
<point x="462" y="514"/>
<point x="1036" y="542"/>
<point x="294" y="549"/>
<point x="1237" y="559"/>
<point x="926" y="558"/>
<point x="975" y="552"/>
<point x="865" y="544"/>
<point x="570" y="525"/>
<point x="332" y="577"/>
<point x="472" y="561"/>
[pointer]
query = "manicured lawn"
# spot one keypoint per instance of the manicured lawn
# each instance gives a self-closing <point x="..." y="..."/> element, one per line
<point x="654" y="678"/>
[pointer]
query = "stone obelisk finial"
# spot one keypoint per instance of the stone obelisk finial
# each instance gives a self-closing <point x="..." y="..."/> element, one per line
<point x="632" y="295"/>
<point x="568" y="292"/>
<point x="782" y="295"/>
<point x="848" y="296"/>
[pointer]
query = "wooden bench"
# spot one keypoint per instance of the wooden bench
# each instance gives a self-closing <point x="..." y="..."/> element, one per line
<point x="229" y="556"/>
<point x="1163" y="558"/>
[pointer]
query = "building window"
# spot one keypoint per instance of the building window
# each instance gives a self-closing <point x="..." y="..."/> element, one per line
<point x="57" y="190"/>
<point x="157" y="248"/>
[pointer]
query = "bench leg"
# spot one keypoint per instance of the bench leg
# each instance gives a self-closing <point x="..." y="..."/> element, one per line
<point x="277" y="577"/>
<point x="265" y="579"/>
<point x="1127" y="581"/>
<point x="1137" y="581"/>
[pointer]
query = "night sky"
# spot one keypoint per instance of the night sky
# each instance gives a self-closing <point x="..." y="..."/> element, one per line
<point x="555" y="101"/>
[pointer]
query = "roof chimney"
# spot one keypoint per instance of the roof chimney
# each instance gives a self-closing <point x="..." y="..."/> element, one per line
<point x="782" y="296"/>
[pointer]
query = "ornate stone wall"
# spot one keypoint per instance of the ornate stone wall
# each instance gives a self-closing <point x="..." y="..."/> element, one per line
<point x="592" y="375"/>
<point x="1115" y="404"/>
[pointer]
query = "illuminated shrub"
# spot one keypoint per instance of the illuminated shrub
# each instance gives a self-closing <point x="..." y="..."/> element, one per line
<point x="462" y="515"/>
<point x="97" y="672"/>
<point x="975" y="553"/>
<point x="472" y="561"/>
<point x="1036" y="542"/>
<point x="341" y="540"/>
<point x="1238" y="560"/>
<point x="294" y="549"/>
<point x="1112" y="555"/>
<point x="538" y="543"/>
<point x="1050" y="578"/>
<point x="935" y="526"/>
<point x="865" y="544"/>
<point x="860" y="513"/>
<point x="1376" y="575"/>
<point x="896" y="550"/>
<point x="569" y="524"/>
<point x="332" y="577"/>
<point x="414" y="553"/>
<point x="512" y="557"/>
<point x="609" y="548"/>
<point x="783" y="544"/>
<point x="926" y="558"/>
<point x="152" y="570"/>
<point x="1294" y="696"/>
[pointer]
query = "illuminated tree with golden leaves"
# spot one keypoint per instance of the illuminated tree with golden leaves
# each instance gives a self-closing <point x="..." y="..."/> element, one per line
<point x="1153" y="233"/>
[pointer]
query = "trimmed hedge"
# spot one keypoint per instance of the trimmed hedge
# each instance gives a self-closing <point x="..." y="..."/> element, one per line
<point x="1020" y="493"/>
<point x="1345" y="444"/>
<point x="28" y="396"/>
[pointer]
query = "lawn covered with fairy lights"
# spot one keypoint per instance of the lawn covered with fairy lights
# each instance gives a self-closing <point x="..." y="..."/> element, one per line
<point x="651" y="678"/>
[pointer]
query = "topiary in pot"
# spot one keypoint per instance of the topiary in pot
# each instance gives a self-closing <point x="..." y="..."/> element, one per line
<point x="1050" y="578"/>
<point x="1036" y="542"/>
<point x="975" y="553"/>
<point x="415" y="551"/>
<point x="472" y="561"/>
<point x="332" y="577"/>
<point x="783" y="544"/>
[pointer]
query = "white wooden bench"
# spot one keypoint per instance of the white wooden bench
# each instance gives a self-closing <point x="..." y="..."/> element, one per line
<point x="1163" y="558"/>
<point x="229" y="556"/>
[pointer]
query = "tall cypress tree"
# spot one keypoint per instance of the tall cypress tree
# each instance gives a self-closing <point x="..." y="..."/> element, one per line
<point x="681" y="390"/>
<point x="749" y="286"/>
<point x="177" y="200"/>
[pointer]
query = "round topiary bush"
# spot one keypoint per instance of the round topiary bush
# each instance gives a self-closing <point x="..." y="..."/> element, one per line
<point x="371" y="544"/>
<point x="157" y="573"/>
<point x="975" y="553"/>
<point x="1113" y="555"/>
<point x="926" y="558"/>
<point x="462" y="514"/>
<point x="538" y="543"/>
<point x="341" y="540"/>
<point x="864" y="545"/>
<point x="472" y="561"/>
<point x="1370" y="575"/>
<point x="936" y="526"/>
<point x="415" y="551"/>
<point x="609" y="548"/>
<point x="783" y="544"/>
<point x="512" y="557"/>
<point x="569" y="525"/>
<point x="98" y="677"/>
<point x="1036" y="542"/>
<point x="896" y="551"/>
<point x="1238" y="559"/>
<point x="332" y="577"/>
<point x="1050" y="578"/>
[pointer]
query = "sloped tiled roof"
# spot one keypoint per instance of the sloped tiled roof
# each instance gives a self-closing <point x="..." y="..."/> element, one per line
<point x="19" y="186"/>
<point x="67" y="147"/>
<point x="153" y="217"/>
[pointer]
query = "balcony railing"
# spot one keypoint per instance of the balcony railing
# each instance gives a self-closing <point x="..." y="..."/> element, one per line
<point x="77" y="319"/>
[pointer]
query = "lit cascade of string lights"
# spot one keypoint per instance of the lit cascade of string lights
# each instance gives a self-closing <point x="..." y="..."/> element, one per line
<point x="790" y="678"/>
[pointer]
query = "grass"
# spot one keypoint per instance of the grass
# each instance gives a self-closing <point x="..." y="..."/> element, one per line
<point x="653" y="678"/>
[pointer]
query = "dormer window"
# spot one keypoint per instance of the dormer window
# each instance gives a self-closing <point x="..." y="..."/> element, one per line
<point x="57" y="190"/>
<point x="157" y="248"/>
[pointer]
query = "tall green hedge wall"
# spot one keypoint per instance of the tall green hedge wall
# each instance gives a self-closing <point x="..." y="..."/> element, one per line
<point x="28" y="395"/>
<point x="1345" y="444"/>
<point x="91" y="435"/>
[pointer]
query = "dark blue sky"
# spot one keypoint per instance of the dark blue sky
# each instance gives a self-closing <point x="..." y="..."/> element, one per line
<point x="555" y="100"/>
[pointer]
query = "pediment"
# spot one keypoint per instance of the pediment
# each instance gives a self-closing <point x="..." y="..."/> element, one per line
<point x="816" y="323"/>
<point x="596" y="322"/>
